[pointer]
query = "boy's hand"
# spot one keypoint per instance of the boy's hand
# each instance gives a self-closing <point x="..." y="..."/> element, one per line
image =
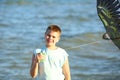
<point x="40" y="57"/>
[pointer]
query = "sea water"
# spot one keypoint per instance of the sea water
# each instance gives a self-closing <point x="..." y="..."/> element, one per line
<point x="22" y="27"/>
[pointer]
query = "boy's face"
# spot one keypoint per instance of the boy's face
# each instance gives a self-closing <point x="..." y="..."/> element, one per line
<point x="52" y="38"/>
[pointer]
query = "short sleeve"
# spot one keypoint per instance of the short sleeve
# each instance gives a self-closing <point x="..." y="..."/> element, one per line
<point x="64" y="57"/>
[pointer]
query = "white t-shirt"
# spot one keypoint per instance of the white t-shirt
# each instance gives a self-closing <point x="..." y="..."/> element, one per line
<point x="54" y="60"/>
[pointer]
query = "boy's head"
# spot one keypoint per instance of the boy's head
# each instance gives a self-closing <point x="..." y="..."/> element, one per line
<point x="52" y="35"/>
<point x="54" y="28"/>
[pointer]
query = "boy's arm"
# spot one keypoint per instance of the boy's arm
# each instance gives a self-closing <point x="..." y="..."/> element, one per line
<point x="34" y="67"/>
<point x="66" y="70"/>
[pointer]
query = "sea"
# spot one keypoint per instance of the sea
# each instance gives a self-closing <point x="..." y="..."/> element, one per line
<point x="22" y="27"/>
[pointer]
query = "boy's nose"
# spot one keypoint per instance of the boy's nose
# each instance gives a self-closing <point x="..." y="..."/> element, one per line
<point x="50" y="37"/>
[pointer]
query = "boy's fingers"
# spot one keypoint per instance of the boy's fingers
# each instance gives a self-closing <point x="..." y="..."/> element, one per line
<point x="40" y="56"/>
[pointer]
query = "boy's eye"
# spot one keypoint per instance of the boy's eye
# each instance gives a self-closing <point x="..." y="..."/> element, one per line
<point x="50" y="36"/>
<point x="53" y="36"/>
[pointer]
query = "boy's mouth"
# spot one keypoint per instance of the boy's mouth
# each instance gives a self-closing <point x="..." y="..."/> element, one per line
<point x="50" y="41"/>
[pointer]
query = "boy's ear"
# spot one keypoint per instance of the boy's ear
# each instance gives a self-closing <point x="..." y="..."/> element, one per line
<point x="58" y="40"/>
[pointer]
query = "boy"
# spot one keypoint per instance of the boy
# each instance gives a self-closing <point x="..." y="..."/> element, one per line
<point x="56" y="64"/>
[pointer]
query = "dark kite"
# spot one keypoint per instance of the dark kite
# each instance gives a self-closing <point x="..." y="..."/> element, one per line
<point x="109" y="13"/>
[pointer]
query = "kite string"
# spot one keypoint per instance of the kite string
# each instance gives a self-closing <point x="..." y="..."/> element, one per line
<point x="84" y="45"/>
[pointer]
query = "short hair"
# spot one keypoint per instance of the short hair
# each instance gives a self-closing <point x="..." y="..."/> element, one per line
<point x="54" y="28"/>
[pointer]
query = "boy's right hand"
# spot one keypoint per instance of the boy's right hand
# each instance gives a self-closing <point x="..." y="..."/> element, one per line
<point x="40" y="57"/>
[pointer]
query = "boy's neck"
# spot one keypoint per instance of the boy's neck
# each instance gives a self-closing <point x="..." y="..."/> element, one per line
<point x="52" y="47"/>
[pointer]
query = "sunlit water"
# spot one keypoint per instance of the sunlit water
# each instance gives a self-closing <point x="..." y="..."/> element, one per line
<point x="22" y="26"/>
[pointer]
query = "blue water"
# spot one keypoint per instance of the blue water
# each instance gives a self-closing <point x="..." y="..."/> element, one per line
<point x="22" y="26"/>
